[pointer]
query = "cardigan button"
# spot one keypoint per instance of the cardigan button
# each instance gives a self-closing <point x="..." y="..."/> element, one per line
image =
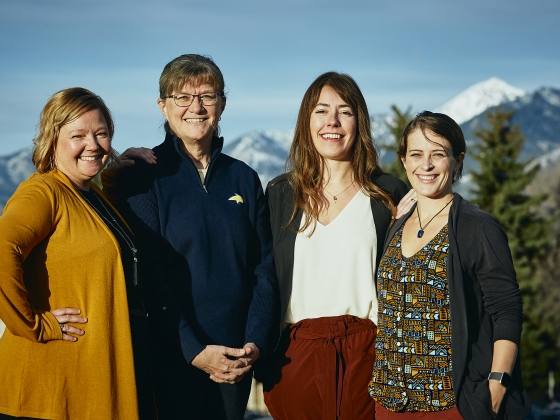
<point x="164" y="308"/>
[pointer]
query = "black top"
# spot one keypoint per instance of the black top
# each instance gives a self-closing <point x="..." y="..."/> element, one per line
<point x="109" y="217"/>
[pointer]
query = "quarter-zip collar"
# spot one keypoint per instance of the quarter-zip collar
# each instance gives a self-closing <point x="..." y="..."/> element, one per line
<point x="216" y="149"/>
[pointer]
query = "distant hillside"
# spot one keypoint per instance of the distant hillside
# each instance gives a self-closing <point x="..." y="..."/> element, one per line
<point x="537" y="114"/>
<point x="14" y="168"/>
<point x="264" y="151"/>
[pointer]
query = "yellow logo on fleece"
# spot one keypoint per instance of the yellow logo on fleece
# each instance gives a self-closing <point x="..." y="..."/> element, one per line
<point x="237" y="198"/>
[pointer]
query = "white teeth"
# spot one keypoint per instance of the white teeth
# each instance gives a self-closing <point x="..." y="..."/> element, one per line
<point x="427" y="177"/>
<point x="331" y="136"/>
<point x="89" y="157"/>
<point x="194" y="120"/>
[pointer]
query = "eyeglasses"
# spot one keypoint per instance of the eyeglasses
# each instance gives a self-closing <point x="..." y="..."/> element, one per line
<point x="186" y="99"/>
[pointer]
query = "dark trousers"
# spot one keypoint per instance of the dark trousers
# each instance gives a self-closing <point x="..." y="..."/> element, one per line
<point x="184" y="392"/>
<point x="321" y="370"/>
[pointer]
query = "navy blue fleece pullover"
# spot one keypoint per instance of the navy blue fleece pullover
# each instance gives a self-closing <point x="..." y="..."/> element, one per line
<point x="205" y="249"/>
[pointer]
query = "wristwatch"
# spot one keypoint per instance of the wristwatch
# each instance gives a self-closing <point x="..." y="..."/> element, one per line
<point x="502" y="377"/>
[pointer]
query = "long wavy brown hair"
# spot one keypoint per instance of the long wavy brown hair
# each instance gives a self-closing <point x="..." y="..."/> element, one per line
<point x="306" y="167"/>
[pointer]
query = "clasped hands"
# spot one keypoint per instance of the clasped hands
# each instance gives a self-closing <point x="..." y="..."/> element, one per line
<point x="226" y="364"/>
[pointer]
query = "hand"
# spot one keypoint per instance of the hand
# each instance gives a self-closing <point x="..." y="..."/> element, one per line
<point x="64" y="316"/>
<point x="210" y="360"/>
<point x="497" y="393"/>
<point x="406" y="204"/>
<point x="241" y="364"/>
<point x="128" y="156"/>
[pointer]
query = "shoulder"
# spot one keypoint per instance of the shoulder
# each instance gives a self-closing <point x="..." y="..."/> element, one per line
<point x="390" y="184"/>
<point x="45" y="184"/>
<point x="278" y="182"/>
<point x="472" y="217"/>
<point x="279" y="187"/>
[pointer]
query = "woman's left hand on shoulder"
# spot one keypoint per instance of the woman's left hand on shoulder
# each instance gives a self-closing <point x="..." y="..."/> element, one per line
<point x="133" y="153"/>
<point x="406" y="203"/>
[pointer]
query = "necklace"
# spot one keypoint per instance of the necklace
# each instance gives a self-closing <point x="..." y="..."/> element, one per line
<point x="335" y="196"/>
<point x="117" y="227"/>
<point x="421" y="231"/>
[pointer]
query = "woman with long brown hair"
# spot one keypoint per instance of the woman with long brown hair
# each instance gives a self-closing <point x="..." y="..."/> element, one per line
<point x="329" y="216"/>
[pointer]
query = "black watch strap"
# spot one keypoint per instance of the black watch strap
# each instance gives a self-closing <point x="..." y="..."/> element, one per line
<point x="502" y="377"/>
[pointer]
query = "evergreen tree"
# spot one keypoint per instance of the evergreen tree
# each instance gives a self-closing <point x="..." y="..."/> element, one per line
<point x="501" y="182"/>
<point x="396" y="126"/>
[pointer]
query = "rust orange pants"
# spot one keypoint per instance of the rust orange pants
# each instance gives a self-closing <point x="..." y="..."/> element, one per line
<point x="381" y="413"/>
<point x="321" y="370"/>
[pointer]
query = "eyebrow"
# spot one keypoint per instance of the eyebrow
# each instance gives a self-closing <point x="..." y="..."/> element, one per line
<point x="435" y="150"/>
<point x="325" y="104"/>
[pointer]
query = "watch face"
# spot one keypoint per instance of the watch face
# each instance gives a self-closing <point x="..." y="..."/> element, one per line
<point x="506" y="380"/>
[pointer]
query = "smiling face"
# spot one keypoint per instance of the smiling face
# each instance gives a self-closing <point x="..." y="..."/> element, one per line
<point x="333" y="126"/>
<point x="195" y="123"/>
<point x="430" y="164"/>
<point x="83" y="148"/>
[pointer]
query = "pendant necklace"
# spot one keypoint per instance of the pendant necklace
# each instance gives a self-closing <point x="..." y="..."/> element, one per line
<point x="421" y="231"/>
<point x="116" y="226"/>
<point x="335" y="196"/>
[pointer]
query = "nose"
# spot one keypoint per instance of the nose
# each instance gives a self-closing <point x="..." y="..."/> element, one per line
<point x="92" y="142"/>
<point x="333" y="120"/>
<point x="427" y="162"/>
<point x="196" y="105"/>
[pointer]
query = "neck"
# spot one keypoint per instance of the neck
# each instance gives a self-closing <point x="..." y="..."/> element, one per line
<point x="338" y="172"/>
<point x="199" y="151"/>
<point x="430" y="206"/>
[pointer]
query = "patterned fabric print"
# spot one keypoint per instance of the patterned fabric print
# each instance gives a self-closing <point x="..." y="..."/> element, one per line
<point x="412" y="369"/>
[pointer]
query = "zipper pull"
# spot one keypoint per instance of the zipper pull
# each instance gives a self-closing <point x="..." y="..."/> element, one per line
<point x="134" y="267"/>
<point x="205" y="190"/>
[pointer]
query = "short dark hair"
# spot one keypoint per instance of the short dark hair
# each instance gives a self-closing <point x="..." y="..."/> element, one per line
<point x="441" y="125"/>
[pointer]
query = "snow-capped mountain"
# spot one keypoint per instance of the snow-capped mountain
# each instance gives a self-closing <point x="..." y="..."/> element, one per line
<point x="538" y="116"/>
<point x="14" y="169"/>
<point x="478" y="98"/>
<point x="264" y="151"/>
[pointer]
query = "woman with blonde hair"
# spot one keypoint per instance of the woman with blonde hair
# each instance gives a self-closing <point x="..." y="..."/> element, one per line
<point x="329" y="216"/>
<point x="75" y="339"/>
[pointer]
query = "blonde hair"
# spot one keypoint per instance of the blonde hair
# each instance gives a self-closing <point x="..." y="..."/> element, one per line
<point x="306" y="166"/>
<point x="62" y="108"/>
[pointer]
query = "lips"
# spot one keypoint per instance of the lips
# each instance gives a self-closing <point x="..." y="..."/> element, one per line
<point x="330" y="136"/>
<point x="90" y="158"/>
<point x="427" y="178"/>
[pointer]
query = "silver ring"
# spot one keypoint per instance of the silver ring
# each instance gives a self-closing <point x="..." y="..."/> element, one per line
<point x="62" y="328"/>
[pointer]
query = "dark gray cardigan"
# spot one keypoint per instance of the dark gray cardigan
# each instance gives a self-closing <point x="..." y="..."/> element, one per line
<point x="485" y="306"/>
<point x="280" y="197"/>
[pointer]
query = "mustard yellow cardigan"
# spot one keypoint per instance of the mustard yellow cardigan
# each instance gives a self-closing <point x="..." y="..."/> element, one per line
<point x="56" y="252"/>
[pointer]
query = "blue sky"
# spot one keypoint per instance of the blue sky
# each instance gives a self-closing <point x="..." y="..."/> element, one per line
<point x="419" y="53"/>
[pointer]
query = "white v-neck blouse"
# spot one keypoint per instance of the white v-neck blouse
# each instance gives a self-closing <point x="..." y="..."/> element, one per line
<point x="334" y="269"/>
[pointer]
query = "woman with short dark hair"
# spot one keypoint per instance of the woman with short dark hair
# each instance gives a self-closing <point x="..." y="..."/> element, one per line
<point x="450" y="310"/>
